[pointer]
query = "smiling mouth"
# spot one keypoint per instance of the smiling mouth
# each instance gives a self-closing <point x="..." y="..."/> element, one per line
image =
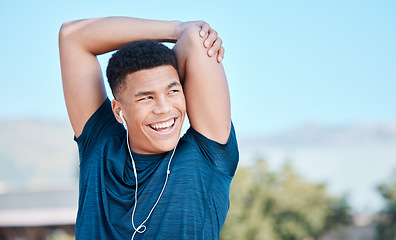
<point x="163" y="126"/>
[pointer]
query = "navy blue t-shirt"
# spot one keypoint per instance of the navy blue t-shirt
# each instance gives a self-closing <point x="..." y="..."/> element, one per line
<point x="194" y="203"/>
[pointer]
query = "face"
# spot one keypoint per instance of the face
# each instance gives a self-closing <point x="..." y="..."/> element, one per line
<point x="154" y="108"/>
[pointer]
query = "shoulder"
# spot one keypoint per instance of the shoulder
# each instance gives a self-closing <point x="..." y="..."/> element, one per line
<point x="100" y="127"/>
<point x="224" y="157"/>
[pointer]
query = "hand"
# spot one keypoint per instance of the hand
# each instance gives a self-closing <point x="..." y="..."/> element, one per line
<point x="211" y="39"/>
<point x="212" y="42"/>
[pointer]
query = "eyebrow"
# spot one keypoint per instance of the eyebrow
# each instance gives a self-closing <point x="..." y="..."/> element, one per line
<point x="147" y="93"/>
<point x="144" y="93"/>
<point x="173" y="84"/>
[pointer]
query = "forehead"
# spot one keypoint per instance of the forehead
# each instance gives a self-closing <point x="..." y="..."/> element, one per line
<point x="150" y="79"/>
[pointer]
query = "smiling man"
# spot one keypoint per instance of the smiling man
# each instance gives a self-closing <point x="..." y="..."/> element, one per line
<point x="141" y="180"/>
<point x="146" y="85"/>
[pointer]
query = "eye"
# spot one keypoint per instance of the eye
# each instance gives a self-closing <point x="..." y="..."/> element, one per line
<point x="145" y="98"/>
<point x="173" y="91"/>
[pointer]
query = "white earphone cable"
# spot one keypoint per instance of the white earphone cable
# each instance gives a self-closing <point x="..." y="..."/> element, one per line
<point x="142" y="228"/>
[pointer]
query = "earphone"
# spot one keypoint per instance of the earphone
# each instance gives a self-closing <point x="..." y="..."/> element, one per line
<point x="142" y="228"/>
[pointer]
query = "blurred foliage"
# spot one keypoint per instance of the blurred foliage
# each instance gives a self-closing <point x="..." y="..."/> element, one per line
<point x="386" y="222"/>
<point x="280" y="206"/>
<point x="59" y="235"/>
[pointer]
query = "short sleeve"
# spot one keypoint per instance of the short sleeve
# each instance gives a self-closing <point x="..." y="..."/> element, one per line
<point x="224" y="157"/>
<point x="99" y="126"/>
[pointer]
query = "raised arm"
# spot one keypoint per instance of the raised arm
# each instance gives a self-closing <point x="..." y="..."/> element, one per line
<point x="205" y="84"/>
<point x="79" y="44"/>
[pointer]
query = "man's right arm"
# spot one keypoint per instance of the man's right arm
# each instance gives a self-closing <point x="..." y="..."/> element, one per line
<point x="79" y="44"/>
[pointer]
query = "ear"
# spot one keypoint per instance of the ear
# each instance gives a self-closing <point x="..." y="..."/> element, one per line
<point x="116" y="106"/>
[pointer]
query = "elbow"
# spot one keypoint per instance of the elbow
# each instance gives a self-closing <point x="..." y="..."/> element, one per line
<point x="194" y="39"/>
<point x="66" y="31"/>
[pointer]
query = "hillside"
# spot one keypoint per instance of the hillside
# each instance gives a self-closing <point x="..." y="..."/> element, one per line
<point x="37" y="154"/>
<point x="353" y="159"/>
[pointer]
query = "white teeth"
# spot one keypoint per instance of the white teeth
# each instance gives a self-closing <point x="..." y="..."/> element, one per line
<point x="163" y="125"/>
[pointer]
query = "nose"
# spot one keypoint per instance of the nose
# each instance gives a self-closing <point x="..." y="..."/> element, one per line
<point x="163" y="105"/>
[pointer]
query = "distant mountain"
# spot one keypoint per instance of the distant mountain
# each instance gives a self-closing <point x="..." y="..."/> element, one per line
<point x="351" y="159"/>
<point x="37" y="153"/>
<point x="315" y="134"/>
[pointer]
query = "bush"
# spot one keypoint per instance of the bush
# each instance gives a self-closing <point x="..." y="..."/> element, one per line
<point x="280" y="205"/>
<point x="386" y="223"/>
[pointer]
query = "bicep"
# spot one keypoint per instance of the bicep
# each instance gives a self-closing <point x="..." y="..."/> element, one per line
<point x="205" y="87"/>
<point x="82" y="81"/>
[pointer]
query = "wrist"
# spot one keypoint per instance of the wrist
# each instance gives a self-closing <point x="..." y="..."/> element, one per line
<point x="176" y="30"/>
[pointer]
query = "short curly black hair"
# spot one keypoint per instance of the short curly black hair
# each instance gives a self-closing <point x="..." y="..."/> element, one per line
<point x="136" y="56"/>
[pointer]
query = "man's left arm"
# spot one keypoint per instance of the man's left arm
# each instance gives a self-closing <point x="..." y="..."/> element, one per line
<point x="204" y="82"/>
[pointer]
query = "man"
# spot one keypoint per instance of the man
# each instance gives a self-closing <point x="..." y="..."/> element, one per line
<point x="141" y="181"/>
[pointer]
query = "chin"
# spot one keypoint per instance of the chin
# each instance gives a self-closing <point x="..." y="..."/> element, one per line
<point x="166" y="145"/>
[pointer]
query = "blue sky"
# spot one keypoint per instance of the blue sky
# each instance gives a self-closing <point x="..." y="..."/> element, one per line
<point x="288" y="62"/>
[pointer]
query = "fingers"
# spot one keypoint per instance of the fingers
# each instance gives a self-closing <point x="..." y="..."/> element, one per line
<point x="212" y="42"/>
<point x="220" y="55"/>
<point x="217" y="50"/>
<point x="208" y="32"/>
<point x="205" y="28"/>
<point x="211" y="39"/>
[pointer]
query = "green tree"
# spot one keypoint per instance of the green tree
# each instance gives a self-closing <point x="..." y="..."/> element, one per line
<point x="279" y="205"/>
<point x="386" y="223"/>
